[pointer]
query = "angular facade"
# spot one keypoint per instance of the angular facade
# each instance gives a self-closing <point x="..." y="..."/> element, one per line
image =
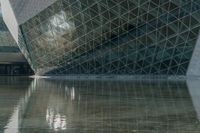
<point x="117" y="37"/>
<point x="7" y="43"/>
<point x="12" y="61"/>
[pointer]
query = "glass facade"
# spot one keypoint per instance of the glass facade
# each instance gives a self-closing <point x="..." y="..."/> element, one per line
<point x="130" y="37"/>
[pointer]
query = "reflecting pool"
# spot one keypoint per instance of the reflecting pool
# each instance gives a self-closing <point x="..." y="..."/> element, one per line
<point x="102" y="106"/>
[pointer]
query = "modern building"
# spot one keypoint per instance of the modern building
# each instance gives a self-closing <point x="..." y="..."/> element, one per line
<point x="109" y="37"/>
<point x="12" y="61"/>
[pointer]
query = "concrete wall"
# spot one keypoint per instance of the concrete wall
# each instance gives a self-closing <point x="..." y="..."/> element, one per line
<point x="9" y="18"/>
<point x="194" y="66"/>
<point x="11" y="57"/>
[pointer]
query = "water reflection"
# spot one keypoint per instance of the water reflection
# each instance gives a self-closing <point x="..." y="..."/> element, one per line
<point x="12" y="92"/>
<point x="99" y="106"/>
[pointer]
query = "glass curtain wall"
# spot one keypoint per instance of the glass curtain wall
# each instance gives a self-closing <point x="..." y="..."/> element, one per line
<point x="130" y="37"/>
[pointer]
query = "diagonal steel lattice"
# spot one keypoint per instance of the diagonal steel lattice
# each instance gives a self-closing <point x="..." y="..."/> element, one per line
<point x="155" y="37"/>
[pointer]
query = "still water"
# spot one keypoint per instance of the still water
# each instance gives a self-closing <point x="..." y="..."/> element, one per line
<point x="45" y="105"/>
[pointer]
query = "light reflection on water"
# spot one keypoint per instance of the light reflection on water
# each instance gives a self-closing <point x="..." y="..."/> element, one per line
<point x="45" y="105"/>
<point x="55" y="121"/>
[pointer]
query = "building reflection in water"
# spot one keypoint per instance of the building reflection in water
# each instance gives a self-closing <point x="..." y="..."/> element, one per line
<point x="102" y="106"/>
<point x="12" y="93"/>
